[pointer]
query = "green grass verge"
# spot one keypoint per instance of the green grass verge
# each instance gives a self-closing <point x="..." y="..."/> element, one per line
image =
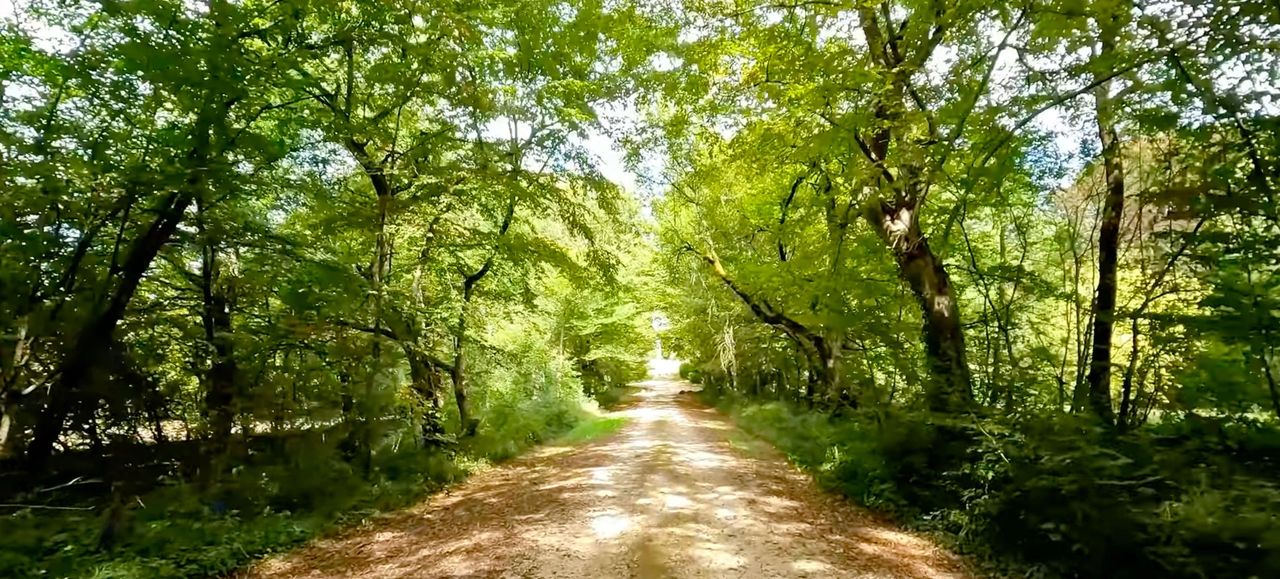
<point x="1050" y="496"/>
<point x="615" y="396"/>
<point x="178" y="530"/>
<point x="592" y="429"/>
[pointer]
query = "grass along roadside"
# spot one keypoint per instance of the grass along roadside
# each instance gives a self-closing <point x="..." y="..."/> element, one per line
<point x="1050" y="499"/>
<point x="179" y="530"/>
<point x="591" y="429"/>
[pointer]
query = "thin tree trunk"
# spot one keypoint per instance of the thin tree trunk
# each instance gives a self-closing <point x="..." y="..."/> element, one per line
<point x="1126" y="388"/>
<point x="992" y="354"/>
<point x="1081" y="333"/>
<point x="466" y="425"/>
<point x="1099" y="377"/>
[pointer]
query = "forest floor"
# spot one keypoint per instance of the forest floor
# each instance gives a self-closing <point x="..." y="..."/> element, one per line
<point x="679" y="491"/>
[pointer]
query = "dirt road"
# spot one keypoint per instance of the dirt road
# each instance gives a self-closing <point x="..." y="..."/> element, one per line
<point x="678" y="492"/>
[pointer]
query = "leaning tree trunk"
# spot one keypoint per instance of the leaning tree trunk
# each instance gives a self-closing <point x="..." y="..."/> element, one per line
<point x="90" y="348"/>
<point x="89" y="352"/>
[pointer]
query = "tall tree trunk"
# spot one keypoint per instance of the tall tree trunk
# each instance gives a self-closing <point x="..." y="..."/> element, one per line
<point x="216" y="287"/>
<point x="950" y="388"/>
<point x="895" y="217"/>
<point x="1099" y="377"/>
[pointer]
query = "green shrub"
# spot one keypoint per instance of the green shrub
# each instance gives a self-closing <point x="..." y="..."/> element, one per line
<point x="296" y="487"/>
<point x="691" y="372"/>
<point x="1053" y="495"/>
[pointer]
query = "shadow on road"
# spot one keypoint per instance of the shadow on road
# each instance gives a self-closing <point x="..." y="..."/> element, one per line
<point x="667" y="496"/>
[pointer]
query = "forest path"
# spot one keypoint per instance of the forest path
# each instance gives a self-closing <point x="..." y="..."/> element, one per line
<point x="678" y="492"/>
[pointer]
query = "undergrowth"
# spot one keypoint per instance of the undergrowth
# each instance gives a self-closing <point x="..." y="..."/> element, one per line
<point x="1052" y="496"/>
<point x="589" y="430"/>
<point x="275" y="502"/>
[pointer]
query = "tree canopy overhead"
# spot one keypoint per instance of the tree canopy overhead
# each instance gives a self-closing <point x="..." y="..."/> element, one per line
<point x="995" y="238"/>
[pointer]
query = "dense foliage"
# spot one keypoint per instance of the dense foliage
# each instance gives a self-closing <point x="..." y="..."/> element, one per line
<point x="1009" y="270"/>
<point x="1005" y="269"/>
<point x="266" y="263"/>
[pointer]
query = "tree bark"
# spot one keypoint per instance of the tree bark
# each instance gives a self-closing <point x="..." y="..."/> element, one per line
<point x="466" y="425"/>
<point x="425" y="381"/>
<point x="1099" y="377"/>
<point x="90" y="350"/>
<point x="216" y="287"/>
<point x="950" y="388"/>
